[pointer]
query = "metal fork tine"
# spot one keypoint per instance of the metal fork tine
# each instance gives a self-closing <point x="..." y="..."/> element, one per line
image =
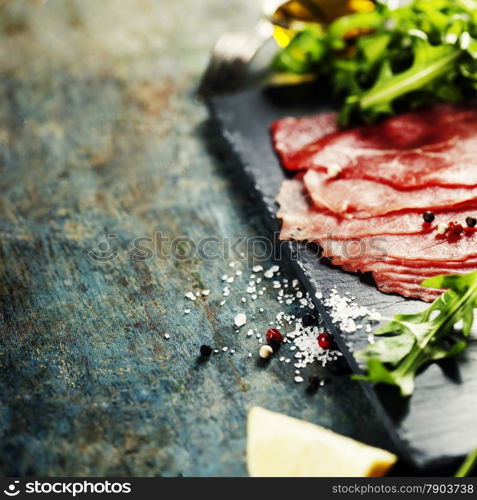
<point x="229" y="59"/>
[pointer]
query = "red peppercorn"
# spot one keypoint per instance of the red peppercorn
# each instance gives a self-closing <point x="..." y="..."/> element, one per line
<point x="325" y="340"/>
<point x="455" y="227"/>
<point x="274" y="336"/>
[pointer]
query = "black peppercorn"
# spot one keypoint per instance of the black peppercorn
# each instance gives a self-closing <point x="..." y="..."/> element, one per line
<point x="471" y="221"/>
<point x="205" y="350"/>
<point x="428" y="216"/>
<point x="308" y="320"/>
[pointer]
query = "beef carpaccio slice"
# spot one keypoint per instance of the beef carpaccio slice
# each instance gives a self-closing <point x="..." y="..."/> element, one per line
<point x="434" y="147"/>
<point x="291" y="135"/>
<point x="408" y="289"/>
<point x="427" y="247"/>
<point x="371" y="219"/>
<point x="363" y="199"/>
<point x="364" y="244"/>
<point x="302" y="220"/>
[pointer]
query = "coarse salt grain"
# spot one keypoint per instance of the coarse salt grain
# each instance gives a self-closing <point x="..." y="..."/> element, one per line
<point x="240" y="320"/>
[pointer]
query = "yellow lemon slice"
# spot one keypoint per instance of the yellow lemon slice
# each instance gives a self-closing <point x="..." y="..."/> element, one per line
<point x="281" y="446"/>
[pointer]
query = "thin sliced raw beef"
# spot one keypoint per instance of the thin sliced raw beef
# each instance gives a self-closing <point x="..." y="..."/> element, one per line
<point x="426" y="269"/>
<point x="402" y="278"/>
<point x="291" y="135"/>
<point x="361" y="195"/>
<point x="434" y="147"/>
<point x="301" y="220"/>
<point x="426" y="247"/>
<point x="363" y="199"/>
<point x="408" y="289"/>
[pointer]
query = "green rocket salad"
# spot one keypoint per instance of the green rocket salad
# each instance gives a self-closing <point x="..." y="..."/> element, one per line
<point x="382" y="61"/>
<point x="412" y="340"/>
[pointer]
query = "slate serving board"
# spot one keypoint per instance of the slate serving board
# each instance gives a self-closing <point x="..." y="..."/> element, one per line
<point x="437" y="426"/>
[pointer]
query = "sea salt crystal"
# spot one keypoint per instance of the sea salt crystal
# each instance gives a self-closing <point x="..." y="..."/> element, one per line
<point x="271" y="271"/>
<point x="190" y="296"/>
<point x="205" y="293"/>
<point x="345" y="312"/>
<point x="257" y="269"/>
<point x="240" y="320"/>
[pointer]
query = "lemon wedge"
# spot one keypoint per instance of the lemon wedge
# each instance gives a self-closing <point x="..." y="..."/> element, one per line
<point x="281" y="446"/>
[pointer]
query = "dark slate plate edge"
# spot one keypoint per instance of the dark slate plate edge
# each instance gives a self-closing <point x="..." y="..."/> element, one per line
<point x="401" y="446"/>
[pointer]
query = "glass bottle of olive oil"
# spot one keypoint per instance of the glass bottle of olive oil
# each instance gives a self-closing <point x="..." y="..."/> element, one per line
<point x="290" y="16"/>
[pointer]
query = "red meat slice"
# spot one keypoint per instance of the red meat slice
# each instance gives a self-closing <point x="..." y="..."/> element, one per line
<point x="426" y="269"/>
<point x="291" y="135"/>
<point x="426" y="247"/>
<point x="407" y="289"/>
<point x="416" y="149"/>
<point x="301" y="220"/>
<point x="369" y="217"/>
<point x="362" y="198"/>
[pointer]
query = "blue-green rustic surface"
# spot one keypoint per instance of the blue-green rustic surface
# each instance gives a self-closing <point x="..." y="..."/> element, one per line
<point x="100" y="134"/>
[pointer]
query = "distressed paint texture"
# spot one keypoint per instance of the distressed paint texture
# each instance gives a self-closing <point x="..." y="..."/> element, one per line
<point x="100" y="134"/>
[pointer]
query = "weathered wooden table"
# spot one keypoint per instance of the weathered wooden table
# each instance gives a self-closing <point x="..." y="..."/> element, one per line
<point x="100" y="135"/>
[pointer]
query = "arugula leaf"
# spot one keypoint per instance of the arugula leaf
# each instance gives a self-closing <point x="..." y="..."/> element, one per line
<point x="430" y="63"/>
<point x="378" y="60"/>
<point x="413" y="340"/>
<point x="468" y="465"/>
<point x="304" y="52"/>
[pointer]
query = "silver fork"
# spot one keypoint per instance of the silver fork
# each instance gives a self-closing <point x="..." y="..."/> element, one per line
<point x="229" y="60"/>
